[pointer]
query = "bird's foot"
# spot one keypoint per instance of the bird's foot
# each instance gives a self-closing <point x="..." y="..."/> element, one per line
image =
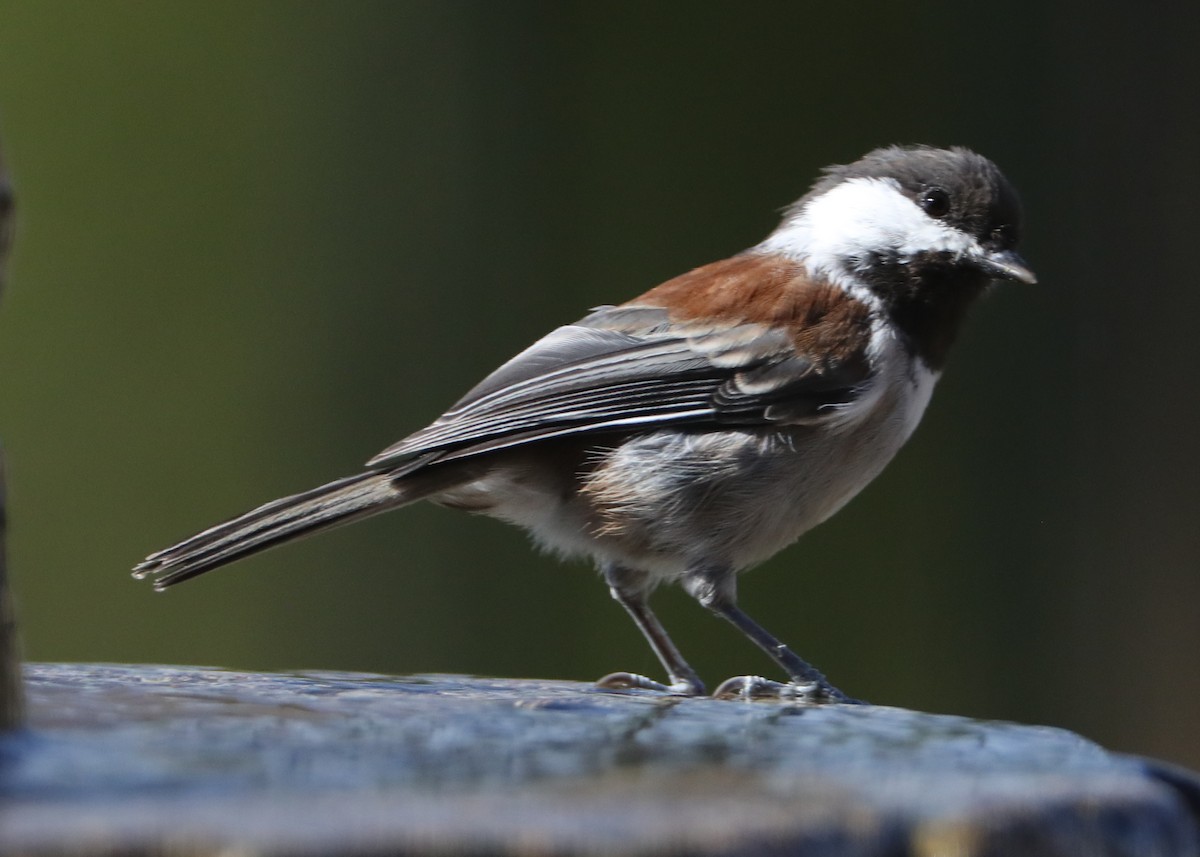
<point x="633" y="681"/>
<point x="751" y="687"/>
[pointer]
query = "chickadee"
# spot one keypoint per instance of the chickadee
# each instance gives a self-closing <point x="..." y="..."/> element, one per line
<point x="695" y="431"/>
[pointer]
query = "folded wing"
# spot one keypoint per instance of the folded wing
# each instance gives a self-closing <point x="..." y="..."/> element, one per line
<point x="630" y="367"/>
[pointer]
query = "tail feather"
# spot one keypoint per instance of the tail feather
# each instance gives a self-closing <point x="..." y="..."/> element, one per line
<point x="323" y="508"/>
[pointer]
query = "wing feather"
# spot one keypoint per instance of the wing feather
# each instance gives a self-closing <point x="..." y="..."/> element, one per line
<point x="630" y="367"/>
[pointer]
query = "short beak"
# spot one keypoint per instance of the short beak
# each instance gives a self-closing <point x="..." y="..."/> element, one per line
<point x="1006" y="265"/>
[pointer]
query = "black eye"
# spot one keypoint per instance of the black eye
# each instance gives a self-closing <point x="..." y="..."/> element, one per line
<point x="935" y="201"/>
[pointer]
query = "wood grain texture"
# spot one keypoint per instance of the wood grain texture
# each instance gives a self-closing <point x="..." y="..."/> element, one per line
<point x="157" y="760"/>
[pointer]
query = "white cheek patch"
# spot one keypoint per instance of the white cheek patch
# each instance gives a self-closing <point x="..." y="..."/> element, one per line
<point x="838" y="231"/>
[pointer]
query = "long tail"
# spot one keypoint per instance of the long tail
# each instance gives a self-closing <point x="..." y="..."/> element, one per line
<point x="332" y="505"/>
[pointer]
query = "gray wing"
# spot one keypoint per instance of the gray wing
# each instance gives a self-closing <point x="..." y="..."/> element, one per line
<point x="624" y="368"/>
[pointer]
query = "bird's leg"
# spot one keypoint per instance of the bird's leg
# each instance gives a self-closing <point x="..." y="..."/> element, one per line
<point x="716" y="590"/>
<point x="631" y="589"/>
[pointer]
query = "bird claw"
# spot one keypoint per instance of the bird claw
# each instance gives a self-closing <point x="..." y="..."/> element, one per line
<point x="633" y="681"/>
<point x="751" y="687"/>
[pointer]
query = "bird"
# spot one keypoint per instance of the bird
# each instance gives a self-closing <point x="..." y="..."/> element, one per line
<point x="693" y="432"/>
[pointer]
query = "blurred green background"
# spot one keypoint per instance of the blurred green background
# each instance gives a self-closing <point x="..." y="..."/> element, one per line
<point x="258" y="242"/>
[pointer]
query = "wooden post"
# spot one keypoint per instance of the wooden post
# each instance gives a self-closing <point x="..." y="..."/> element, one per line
<point x="159" y="760"/>
<point x="12" y="700"/>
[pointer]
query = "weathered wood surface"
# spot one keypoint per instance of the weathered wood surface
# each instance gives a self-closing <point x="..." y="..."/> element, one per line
<point x="156" y="760"/>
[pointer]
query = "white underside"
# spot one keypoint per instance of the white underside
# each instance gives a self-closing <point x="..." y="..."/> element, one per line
<point x="733" y="498"/>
